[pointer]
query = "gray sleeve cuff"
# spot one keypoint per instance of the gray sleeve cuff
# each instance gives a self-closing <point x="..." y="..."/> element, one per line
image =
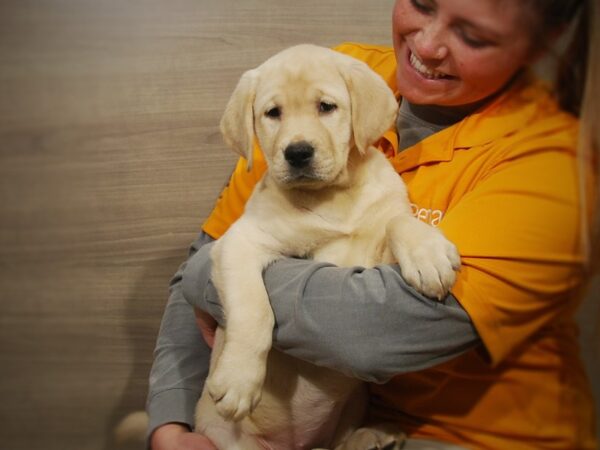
<point x="172" y="406"/>
<point x="181" y="361"/>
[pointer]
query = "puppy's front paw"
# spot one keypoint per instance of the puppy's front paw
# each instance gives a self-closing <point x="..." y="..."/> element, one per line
<point x="236" y="387"/>
<point x="428" y="261"/>
<point x="430" y="266"/>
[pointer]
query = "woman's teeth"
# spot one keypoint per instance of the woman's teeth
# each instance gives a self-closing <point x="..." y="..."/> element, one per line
<point x="424" y="70"/>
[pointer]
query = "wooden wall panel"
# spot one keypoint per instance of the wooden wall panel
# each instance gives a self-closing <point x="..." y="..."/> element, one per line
<point x="110" y="159"/>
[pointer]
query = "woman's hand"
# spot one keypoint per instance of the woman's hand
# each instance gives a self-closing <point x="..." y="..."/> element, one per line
<point x="174" y="436"/>
<point x="207" y="325"/>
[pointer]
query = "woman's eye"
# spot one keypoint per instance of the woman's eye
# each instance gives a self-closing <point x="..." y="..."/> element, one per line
<point x="422" y="6"/>
<point x="273" y="113"/>
<point x="474" y="42"/>
<point x="326" y="107"/>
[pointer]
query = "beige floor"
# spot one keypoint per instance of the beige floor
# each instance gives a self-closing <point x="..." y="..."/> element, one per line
<point x="110" y="159"/>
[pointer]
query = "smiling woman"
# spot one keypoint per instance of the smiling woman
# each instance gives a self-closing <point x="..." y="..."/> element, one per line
<point x="458" y="52"/>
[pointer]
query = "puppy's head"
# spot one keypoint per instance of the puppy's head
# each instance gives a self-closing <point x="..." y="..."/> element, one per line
<point x="309" y="107"/>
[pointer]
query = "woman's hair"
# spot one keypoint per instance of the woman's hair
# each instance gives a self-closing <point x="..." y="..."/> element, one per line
<point x="578" y="91"/>
<point x="551" y="18"/>
<point x="589" y="136"/>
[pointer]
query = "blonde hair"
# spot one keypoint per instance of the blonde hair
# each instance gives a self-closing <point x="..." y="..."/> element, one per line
<point x="589" y="137"/>
<point x="577" y="87"/>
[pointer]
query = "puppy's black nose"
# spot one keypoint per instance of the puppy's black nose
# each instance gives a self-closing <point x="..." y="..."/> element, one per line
<point x="299" y="154"/>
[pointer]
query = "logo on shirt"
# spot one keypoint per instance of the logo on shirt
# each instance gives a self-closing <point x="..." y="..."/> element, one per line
<point x="430" y="216"/>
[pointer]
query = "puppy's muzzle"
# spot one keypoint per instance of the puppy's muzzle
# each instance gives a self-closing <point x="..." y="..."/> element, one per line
<point x="299" y="155"/>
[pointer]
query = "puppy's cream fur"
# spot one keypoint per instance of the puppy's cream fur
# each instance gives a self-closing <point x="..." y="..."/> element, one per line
<point x="346" y="206"/>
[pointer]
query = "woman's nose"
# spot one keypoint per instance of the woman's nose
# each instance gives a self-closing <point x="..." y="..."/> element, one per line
<point x="430" y="42"/>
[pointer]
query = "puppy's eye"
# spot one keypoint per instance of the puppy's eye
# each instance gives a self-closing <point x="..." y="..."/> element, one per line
<point x="273" y="113"/>
<point x="326" y="107"/>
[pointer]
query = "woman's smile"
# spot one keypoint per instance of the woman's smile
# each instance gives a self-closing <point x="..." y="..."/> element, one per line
<point x="423" y="70"/>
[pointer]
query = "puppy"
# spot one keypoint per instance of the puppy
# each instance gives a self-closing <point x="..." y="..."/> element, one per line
<point x="315" y="114"/>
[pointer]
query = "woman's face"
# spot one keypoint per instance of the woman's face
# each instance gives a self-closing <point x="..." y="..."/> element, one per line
<point x="456" y="52"/>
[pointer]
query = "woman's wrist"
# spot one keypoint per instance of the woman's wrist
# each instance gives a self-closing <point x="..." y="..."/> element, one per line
<point x="165" y="436"/>
<point x="178" y="436"/>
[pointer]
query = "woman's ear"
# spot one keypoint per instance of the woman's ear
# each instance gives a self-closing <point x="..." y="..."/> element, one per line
<point x="374" y="107"/>
<point x="237" y="123"/>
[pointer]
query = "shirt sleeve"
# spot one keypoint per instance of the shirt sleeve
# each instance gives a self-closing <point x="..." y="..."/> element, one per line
<point x="366" y="323"/>
<point x="181" y="359"/>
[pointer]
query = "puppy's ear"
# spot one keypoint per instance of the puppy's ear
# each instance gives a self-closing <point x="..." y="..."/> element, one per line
<point x="374" y="107"/>
<point x="237" y="123"/>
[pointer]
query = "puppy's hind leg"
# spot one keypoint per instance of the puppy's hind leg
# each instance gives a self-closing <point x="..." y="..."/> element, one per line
<point x="352" y="416"/>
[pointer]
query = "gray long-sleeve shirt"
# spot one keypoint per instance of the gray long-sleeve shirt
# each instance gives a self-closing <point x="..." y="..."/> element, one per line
<point x="367" y="323"/>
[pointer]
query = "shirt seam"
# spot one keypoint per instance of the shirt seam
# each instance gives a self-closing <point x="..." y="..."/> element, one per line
<point x="171" y="389"/>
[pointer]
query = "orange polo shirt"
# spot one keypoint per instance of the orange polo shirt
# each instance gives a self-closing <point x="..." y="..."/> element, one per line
<point x="502" y="185"/>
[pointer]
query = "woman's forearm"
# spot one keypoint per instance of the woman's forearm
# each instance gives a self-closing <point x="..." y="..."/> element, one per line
<point x="181" y="359"/>
<point x="367" y="323"/>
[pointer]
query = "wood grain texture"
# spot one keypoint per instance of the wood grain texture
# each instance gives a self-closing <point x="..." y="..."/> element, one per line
<point x="110" y="159"/>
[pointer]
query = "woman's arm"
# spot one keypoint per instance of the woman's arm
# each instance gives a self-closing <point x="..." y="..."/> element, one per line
<point x="181" y="359"/>
<point x="367" y="323"/>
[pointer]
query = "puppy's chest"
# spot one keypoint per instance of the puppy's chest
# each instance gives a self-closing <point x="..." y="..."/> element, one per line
<point x="342" y="226"/>
<point x="347" y="230"/>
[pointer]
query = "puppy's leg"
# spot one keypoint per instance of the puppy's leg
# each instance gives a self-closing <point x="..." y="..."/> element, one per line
<point x="427" y="259"/>
<point x="236" y="380"/>
<point x="385" y="436"/>
<point x="224" y="434"/>
<point x="352" y="415"/>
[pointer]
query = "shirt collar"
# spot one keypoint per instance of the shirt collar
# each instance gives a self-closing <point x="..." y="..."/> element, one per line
<point x="503" y="116"/>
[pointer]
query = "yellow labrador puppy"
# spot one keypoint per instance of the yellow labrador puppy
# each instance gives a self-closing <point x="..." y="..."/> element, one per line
<point x="315" y="113"/>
